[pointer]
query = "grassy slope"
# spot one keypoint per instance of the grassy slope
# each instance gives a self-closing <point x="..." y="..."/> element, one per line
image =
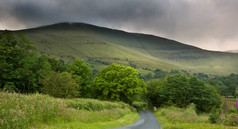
<point x="41" y="111"/>
<point x="112" y="46"/>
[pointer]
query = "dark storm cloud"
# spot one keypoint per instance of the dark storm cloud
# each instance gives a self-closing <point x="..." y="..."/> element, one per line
<point x="210" y="24"/>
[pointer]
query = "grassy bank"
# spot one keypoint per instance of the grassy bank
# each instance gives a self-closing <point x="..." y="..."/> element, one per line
<point x="41" y="111"/>
<point x="176" y="118"/>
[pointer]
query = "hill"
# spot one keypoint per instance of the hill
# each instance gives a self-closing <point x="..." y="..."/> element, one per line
<point x="102" y="46"/>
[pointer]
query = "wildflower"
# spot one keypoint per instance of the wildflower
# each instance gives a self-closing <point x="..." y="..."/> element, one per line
<point x="222" y="116"/>
<point x="236" y="104"/>
<point x="227" y="108"/>
<point x="187" y="118"/>
<point x="236" y="117"/>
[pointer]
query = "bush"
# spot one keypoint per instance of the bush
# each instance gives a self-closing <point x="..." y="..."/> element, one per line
<point x="10" y="87"/>
<point x="60" y="85"/>
<point x="214" y="115"/>
<point x="139" y="105"/>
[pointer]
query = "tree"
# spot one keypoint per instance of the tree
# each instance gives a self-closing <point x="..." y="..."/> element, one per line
<point x="82" y="72"/>
<point x="118" y="83"/>
<point x="16" y="58"/>
<point x="181" y="91"/>
<point x="177" y="89"/>
<point x="60" y="85"/>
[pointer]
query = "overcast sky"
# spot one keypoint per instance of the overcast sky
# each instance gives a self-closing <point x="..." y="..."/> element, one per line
<point x="208" y="24"/>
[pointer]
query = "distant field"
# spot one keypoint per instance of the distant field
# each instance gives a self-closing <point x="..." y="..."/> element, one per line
<point x="230" y="101"/>
<point x="105" y="46"/>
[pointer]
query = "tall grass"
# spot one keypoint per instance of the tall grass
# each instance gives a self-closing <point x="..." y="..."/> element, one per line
<point x="21" y="111"/>
<point x="94" y="105"/>
<point x="36" y="111"/>
<point x="177" y="118"/>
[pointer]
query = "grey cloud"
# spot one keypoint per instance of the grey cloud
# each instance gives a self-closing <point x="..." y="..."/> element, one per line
<point x="204" y="23"/>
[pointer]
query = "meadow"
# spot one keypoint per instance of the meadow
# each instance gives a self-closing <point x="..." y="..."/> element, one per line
<point x="177" y="118"/>
<point x="187" y="118"/>
<point x="42" y="111"/>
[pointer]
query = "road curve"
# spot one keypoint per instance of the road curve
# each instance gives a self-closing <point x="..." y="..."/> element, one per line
<point x="147" y="120"/>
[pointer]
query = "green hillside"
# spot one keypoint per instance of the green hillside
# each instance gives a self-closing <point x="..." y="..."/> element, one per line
<point x="103" y="46"/>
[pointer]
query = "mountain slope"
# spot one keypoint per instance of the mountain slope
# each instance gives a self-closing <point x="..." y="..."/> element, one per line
<point x="102" y="46"/>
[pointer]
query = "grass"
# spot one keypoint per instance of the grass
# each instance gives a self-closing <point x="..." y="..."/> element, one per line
<point x="68" y="41"/>
<point x="176" y="118"/>
<point x="42" y="111"/>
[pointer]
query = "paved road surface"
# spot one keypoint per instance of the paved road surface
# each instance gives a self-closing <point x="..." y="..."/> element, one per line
<point x="147" y="120"/>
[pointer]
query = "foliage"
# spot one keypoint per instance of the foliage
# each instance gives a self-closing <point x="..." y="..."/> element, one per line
<point x="21" y="66"/>
<point x="180" y="90"/>
<point x="14" y="53"/>
<point x="82" y="72"/>
<point x="60" y="85"/>
<point x="118" y="83"/>
<point x="9" y="87"/>
<point x="214" y="115"/>
<point x="139" y="105"/>
<point x="226" y="84"/>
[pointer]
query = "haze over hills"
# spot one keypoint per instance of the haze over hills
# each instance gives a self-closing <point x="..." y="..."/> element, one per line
<point x="102" y="46"/>
<point x="232" y="51"/>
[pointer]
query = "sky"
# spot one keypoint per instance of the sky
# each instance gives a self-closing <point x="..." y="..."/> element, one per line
<point x="208" y="24"/>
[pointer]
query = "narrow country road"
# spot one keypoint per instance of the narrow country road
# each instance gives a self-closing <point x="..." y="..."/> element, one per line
<point x="147" y="120"/>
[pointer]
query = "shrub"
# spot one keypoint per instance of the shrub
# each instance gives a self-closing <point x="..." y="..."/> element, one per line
<point x="139" y="105"/>
<point x="60" y="85"/>
<point x="214" y="115"/>
<point x="10" y="87"/>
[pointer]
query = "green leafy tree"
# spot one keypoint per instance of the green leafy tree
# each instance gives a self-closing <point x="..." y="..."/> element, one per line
<point x="204" y="96"/>
<point x="20" y="64"/>
<point x="181" y="91"/>
<point x="82" y="72"/>
<point x="16" y="58"/>
<point x="60" y="85"/>
<point x="118" y="83"/>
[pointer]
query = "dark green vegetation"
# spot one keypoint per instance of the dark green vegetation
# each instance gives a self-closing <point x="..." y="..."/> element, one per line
<point x="227" y="85"/>
<point x="102" y="46"/>
<point x="180" y="91"/>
